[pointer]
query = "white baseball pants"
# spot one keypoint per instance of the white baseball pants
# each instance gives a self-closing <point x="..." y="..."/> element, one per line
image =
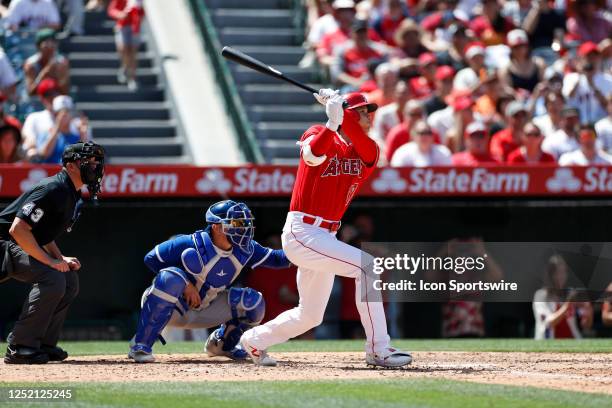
<point x="319" y="257"/>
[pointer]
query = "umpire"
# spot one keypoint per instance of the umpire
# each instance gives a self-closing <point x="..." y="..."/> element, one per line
<point x="28" y="253"/>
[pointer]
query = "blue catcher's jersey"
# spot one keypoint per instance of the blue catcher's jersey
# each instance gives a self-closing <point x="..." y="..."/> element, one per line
<point x="209" y="268"/>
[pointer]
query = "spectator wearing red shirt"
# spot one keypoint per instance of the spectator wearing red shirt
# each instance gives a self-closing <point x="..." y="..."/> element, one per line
<point x="531" y="150"/>
<point x="491" y="27"/>
<point x="386" y="80"/>
<point x="400" y="134"/>
<point x="477" y="147"/>
<point x="423" y="85"/>
<point x="350" y="68"/>
<point x="344" y="12"/>
<point x="510" y="138"/>
<point x="128" y="16"/>
<point x="387" y="24"/>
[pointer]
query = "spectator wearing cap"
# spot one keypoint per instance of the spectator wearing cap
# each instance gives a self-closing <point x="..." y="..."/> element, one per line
<point x="541" y="23"/>
<point x="8" y="79"/>
<point x="510" y="138"/>
<point x="350" y="68"/>
<point x="410" y="47"/>
<point x="603" y="127"/>
<point x="386" y="76"/>
<point x="400" y="134"/>
<point x="47" y="63"/>
<point x="491" y="26"/>
<point x="128" y="16"/>
<point x="344" y="13"/>
<point x="531" y="150"/>
<point x="424" y="84"/>
<point x="37" y="125"/>
<point x="65" y="130"/>
<point x="550" y="122"/>
<point x="588" y="88"/>
<point x="33" y="15"/>
<point x="589" y="153"/>
<point x="422" y="151"/>
<point x="476" y="151"/>
<point x="454" y="54"/>
<point x="451" y="121"/>
<point x="587" y="23"/>
<point x="389" y="116"/>
<point x="469" y="77"/>
<point x="387" y="24"/>
<point x="524" y="71"/>
<point x="565" y="139"/>
<point x="443" y="85"/>
<point x="10" y="144"/>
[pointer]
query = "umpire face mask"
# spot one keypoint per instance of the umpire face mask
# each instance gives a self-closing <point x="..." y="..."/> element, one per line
<point x="92" y="171"/>
<point x="89" y="158"/>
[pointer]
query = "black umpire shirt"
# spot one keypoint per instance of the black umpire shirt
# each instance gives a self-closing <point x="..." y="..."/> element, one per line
<point x="50" y="207"/>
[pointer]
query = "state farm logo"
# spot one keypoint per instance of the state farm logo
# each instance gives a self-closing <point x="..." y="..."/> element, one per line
<point x="563" y="180"/>
<point x="213" y="180"/>
<point x="131" y="181"/>
<point x="389" y="180"/>
<point x="474" y="181"/>
<point x="248" y="180"/>
<point x="34" y="176"/>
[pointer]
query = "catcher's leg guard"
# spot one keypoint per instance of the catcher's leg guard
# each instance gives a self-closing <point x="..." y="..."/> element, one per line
<point x="157" y="309"/>
<point x="248" y="309"/>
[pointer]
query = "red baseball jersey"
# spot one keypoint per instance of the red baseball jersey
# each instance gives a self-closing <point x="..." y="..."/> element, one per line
<point x="326" y="190"/>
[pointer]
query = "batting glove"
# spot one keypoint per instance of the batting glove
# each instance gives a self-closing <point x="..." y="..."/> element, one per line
<point x="324" y="95"/>
<point x="335" y="112"/>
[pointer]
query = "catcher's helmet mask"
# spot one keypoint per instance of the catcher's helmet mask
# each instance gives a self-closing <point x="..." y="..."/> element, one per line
<point x="236" y="220"/>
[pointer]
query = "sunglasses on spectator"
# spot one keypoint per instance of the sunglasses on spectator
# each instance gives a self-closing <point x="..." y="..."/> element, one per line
<point x="415" y="114"/>
<point x="425" y="133"/>
<point x="533" y="134"/>
<point x="477" y="135"/>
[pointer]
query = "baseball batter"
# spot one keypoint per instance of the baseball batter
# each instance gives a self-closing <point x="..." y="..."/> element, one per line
<point x="334" y="162"/>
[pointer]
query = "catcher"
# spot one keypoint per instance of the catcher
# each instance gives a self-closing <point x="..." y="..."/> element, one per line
<point x="193" y="289"/>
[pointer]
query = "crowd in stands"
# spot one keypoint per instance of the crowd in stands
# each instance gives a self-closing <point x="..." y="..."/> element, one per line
<point x="37" y="112"/>
<point x="471" y="83"/>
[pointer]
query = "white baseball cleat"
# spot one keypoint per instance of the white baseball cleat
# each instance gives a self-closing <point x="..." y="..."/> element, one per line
<point x="140" y="354"/>
<point x="390" y="357"/>
<point x="259" y="357"/>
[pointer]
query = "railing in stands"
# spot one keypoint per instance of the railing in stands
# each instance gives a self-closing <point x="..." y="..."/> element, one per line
<point x="212" y="46"/>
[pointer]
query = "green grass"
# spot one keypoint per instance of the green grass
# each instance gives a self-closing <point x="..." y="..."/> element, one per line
<point x="336" y="394"/>
<point x="497" y="345"/>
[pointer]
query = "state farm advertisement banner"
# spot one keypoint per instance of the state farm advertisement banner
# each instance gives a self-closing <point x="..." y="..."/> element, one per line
<point x="277" y="181"/>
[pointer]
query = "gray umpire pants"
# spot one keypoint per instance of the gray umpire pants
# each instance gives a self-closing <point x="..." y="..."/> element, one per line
<point x="46" y="306"/>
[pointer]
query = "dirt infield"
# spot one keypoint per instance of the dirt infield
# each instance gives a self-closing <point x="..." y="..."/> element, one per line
<point x="576" y="372"/>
